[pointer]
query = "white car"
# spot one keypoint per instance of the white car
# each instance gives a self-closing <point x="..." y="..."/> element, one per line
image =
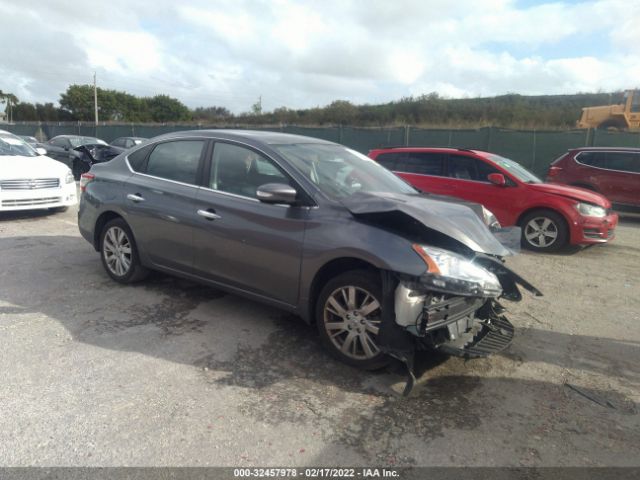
<point x="29" y="180"/>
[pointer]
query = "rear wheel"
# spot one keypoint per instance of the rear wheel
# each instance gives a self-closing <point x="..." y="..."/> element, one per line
<point x="544" y="231"/>
<point x="119" y="253"/>
<point x="349" y="316"/>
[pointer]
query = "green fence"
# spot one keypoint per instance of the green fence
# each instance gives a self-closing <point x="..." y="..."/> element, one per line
<point x="535" y="149"/>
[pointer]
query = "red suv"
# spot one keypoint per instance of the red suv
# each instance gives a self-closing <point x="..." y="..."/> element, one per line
<point x="551" y="216"/>
<point x="613" y="172"/>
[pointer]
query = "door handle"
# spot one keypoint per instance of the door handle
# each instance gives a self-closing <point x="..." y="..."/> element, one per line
<point x="209" y="214"/>
<point x="134" y="197"/>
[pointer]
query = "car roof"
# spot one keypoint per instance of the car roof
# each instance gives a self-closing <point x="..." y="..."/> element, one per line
<point x="271" y="138"/>
<point x="600" y="149"/>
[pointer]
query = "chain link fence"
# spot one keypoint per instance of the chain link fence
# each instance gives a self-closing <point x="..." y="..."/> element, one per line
<point x="534" y="149"/>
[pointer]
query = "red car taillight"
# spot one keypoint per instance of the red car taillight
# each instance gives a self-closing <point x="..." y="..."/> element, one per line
<point x="553" y="171"/>
<point x="85" y="179"/>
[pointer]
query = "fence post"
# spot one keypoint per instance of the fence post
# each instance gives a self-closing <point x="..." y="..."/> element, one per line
<point x="533" y="163"/>
<point x="406" y="135"/>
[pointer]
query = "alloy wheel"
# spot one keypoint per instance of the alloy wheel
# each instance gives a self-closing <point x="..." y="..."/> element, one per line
<point x="116" y="249"/>
<point x="352" y="318"/>
<point x="541" y="232"/>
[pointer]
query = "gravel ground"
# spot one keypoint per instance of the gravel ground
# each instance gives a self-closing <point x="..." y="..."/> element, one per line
<point x="172" y="373"/>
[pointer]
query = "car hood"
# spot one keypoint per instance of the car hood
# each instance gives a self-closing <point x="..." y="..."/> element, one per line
<point x="19" y="167"/>
<point x="454" y="220"/>
<point x="580" y="194"/>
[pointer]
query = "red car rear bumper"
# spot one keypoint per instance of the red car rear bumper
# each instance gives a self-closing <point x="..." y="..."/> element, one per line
<point x="588" y="230"/>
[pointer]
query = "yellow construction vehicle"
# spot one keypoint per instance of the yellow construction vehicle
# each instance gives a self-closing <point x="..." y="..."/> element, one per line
<point x="623" y="116"/>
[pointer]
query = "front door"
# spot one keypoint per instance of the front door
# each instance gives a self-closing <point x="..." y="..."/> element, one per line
<point x="241" y="241"/>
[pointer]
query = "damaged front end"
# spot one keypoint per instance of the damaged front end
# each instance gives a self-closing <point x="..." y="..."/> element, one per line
<point x="452" y="308"/>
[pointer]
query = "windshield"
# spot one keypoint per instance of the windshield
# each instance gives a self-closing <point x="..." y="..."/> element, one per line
<point x="340" y="172"/>
<point x="14" y="146"/>
<point x="77" y="141"/>
<point x="515" y="169"/>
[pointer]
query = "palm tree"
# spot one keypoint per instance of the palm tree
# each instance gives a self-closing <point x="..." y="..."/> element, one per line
<point x="10" y="100"/>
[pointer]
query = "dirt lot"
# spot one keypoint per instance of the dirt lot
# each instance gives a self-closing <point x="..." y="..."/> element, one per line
<point x="172" y="373"/>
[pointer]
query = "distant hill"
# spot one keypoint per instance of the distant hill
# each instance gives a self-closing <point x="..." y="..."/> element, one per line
<point x="510" y="111"/>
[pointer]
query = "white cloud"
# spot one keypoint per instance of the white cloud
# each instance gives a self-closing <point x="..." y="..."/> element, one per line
<point x="301" y="53"/>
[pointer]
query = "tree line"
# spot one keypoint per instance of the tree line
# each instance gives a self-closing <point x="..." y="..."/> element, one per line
<point x="431" y="110"/>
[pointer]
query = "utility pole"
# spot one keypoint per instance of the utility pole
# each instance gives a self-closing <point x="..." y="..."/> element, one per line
<point x="95" y="97"/>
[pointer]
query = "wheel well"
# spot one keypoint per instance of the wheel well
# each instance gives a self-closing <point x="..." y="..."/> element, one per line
<point x="542" y="209"/>
<point x="330" y="270"/>
<point x="103" y="219"/>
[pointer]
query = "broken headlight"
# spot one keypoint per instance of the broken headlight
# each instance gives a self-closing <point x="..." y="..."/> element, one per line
<point x="452" y="273"/>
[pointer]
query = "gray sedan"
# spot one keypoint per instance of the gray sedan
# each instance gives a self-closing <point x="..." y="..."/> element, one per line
<point x="309" y="226"/>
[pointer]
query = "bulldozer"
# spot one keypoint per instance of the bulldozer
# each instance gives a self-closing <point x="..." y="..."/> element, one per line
<point x="624" y="116"/>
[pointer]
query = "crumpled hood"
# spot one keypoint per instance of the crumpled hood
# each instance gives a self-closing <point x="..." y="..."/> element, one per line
<point x="18" y="167"/>
<point x="580" y="194"/>
<point x="455" y="220"/>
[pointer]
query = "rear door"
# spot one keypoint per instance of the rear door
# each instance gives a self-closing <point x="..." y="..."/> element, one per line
<point x="241" y="241"/>
<point x="623" y="177"/>
<point x="160" y="200"/>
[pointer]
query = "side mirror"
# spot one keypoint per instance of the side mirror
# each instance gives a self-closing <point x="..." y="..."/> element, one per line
<point x="41" y="151"/>
<point x="497" y="179"/>
<point x="277" y="193"/>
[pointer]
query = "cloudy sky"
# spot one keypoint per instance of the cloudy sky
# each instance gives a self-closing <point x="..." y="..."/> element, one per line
<point x="307" y="53"/>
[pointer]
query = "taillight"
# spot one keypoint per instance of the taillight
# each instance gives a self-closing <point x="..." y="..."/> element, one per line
<point x="86" y="179"/>
<point x="553" y="171"/>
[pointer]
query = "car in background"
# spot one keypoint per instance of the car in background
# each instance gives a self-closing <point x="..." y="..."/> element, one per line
<point x="551" y="216"/>
<point x="33" y="141"/>
<point x="29" y="180"/>
<point x="127" y="142"/>
<point x="79" y="152"/>
<point x="308" y="226"/>
<point x="613" y="172"/>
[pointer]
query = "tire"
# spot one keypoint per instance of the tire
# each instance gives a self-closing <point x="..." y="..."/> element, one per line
<point x="544" y="231"/>
<point x="119" y="253"/>
<point x="355" y="289"/>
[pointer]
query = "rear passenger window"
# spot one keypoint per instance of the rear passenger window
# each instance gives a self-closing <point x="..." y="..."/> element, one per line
<point x="593" y="159"/>
<point x="623" y="161"/>
<point x="177" y="160"/>
<point x="137" y="158"/>
<point x="423" y="163"/>
<point x="388" y="160"/>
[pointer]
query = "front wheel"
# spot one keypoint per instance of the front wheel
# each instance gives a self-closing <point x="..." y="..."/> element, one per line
<point x="544" y="231"/>
<point x="349" y="316"/>
<point x="119" y="253"/>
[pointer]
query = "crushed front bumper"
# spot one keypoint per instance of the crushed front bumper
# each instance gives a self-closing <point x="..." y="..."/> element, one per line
<point x="462" y="326"/>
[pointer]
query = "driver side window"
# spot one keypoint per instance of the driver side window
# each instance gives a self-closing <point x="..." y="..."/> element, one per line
<point x="240" y="171"/>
